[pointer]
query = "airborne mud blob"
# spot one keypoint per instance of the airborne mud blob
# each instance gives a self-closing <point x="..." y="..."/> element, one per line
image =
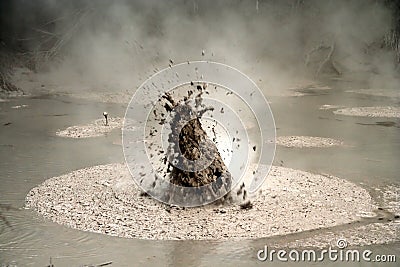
<point x="193" y="159"/>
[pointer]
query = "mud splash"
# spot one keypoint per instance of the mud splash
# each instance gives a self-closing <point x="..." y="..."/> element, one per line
<point x="192" y="158"/>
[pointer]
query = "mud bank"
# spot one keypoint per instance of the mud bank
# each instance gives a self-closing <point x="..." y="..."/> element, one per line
<point x="307" y="141"/>
<point x="327" y="107"/>
<point x="93" y="129"/>
<point x="376" y="112"/>
<point x="104" y="199"/>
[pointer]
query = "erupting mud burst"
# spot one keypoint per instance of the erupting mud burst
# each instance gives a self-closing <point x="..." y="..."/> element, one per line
<point x="192" y="158"/>
<point x="200" y="129"/>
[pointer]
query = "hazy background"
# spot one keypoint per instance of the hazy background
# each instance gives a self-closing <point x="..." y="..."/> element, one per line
<point x="118" y="44"/>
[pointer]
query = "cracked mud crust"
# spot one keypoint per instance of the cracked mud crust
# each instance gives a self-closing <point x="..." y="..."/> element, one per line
<point x="307" y="141"/>
<point x="375" y="112"/>
<point x="93" y="129"/>
<point x="104" y="199"/>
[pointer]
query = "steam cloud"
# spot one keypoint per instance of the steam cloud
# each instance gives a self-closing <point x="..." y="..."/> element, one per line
<point x="118" y="44"/>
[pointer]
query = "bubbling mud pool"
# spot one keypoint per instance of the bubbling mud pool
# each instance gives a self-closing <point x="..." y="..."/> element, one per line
<point x="366" y="228"/>
<point x="104" y="199"/>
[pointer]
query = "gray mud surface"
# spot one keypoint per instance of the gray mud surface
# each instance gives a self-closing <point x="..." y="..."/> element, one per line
<point x="104" y="199"/>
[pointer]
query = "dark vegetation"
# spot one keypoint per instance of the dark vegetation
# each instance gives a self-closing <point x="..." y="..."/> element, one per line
<point x="392" y="38"/>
